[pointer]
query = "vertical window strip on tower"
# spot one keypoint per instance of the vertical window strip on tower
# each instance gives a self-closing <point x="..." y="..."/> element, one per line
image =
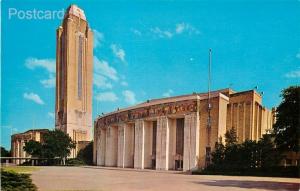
<point x="62" y="70"/>
<point x="79" y="65"/>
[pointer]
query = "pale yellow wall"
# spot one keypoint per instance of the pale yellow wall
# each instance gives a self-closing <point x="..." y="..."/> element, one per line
<point x="74" y="114"/>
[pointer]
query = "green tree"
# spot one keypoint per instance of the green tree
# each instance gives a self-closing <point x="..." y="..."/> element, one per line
<point x="33" y="148"/>
<point x="287" y="126"/>
<point x="269" y="156"/>
<point x="219" y="153"/>
<point x="86" y="154"/>
<point x="4" y="152"/>
<point x="249" y="154"/>
<point x="57" y="144"/>
<point x="231" y="137"/>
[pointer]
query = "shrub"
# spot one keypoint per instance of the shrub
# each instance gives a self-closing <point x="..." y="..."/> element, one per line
<point x="75" y="162"/>
<point x="86" y="154"/>
<point x="11" y="181"/>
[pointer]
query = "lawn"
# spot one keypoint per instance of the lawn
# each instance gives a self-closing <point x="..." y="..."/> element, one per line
<point x="17" y="178"/>
<point x="21" y="169"/>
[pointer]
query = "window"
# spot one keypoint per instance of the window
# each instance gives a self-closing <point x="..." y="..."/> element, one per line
<point x="79" y="66"/>
<point x="62" y="69"/>
<point x="179" y="136"/>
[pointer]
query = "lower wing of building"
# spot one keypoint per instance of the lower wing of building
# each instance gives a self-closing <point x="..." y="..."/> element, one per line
<point x="177" y="133"/>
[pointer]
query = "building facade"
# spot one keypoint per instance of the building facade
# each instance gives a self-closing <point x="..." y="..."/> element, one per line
<point x="74" y="77"/>
<point x="19" y="140"/>
<point x="177" y="133"/>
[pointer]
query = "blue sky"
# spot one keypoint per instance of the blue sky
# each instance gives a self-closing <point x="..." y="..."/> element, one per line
<point x="149" y="50"/>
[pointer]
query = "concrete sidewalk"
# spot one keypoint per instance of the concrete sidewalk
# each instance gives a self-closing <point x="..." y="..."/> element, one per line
<point x="108" y="179"/>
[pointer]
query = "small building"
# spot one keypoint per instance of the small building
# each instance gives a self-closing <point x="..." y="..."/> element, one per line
<point x="177" y="133"/>
<point x="18" y="142"/>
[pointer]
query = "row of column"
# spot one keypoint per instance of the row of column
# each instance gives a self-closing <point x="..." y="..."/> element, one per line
<point x="130" y="145"/>
<point x="18" y="150"/>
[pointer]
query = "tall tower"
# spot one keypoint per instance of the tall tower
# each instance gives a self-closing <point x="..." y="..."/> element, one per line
<point x="74" y="76"/>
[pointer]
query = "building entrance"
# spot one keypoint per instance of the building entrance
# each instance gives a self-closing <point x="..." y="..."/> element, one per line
<point x="179" y="143"/>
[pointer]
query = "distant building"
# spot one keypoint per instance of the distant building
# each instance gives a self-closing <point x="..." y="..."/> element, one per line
<point x="74" y="77"/>
<point x="18" y="142"/>
<point x="177" y="133"/>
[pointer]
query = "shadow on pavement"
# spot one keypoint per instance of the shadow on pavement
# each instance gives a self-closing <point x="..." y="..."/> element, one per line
<point x="265" y="185"/>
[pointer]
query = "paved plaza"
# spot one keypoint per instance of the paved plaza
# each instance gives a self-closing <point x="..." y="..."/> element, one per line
<point x="108" y="179"/>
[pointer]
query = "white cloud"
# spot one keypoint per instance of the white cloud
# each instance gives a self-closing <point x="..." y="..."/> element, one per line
<point x="98" y="38"/>
<point x="293" y="74"/>
<point x="118" y="52"/>
<point x="49" y="83"/>
<point x="102" y="67"/>
<point x="185" y="27"/>
<point x="136" y="32"/>
<point x="101" y="82"/>
<point x="129" y="97"/>
<point x="48" y="64"/>
<point x="161" y="33"/>
<point x="51" y="115"/>
<point x="106" y="97"/>
<point x="123" y="83"/>
<point x="168" y="93"/>
<point x="180" y="28"/>
<point x="33" y="97"/>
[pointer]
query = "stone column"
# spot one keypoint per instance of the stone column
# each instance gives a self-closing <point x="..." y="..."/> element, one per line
<point x="125" y="145"/>
<point x="191" y="141"/>
<point x="111" y="146"/>
<point x="244" y="122"/>
<point x="162" y="144"/>
<point x="129" y="145"/>
<point x="17" y="151"/>
<point x="121" y="145"/>
<point x="101" y="147"/>
<point x="139" y="144"/>
<point x="143" y="144"/>
<point x="22" y="151"/>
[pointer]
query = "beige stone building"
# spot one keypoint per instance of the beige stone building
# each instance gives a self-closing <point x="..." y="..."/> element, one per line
<point x="18" y="142"/>
<point x="74" y="77"/>
<point x="177" y="133"/>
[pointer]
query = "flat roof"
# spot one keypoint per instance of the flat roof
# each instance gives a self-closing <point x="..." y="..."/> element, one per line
<point x="39" y="130"/>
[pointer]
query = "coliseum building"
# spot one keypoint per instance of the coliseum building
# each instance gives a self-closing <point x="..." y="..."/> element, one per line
<point x="177" y="133"/>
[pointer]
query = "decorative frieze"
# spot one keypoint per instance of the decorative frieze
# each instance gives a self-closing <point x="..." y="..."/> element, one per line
<point x="181" y="107"/>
